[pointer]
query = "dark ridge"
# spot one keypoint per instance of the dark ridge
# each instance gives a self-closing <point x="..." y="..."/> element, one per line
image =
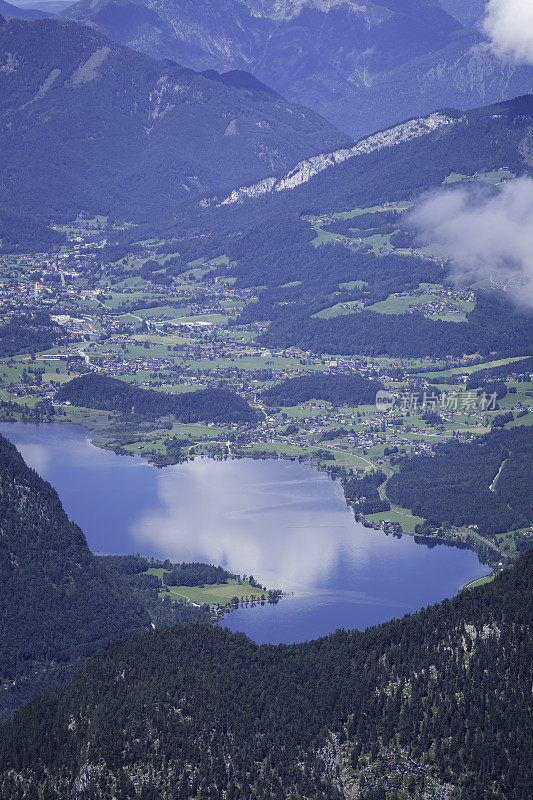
<point x="240" y="79"/>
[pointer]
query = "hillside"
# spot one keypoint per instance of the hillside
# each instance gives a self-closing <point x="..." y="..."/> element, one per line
<point x="363" y="66"/>
<point x="399" y="162"/>
<point x="58" y="604"/>
<point x="346" y="390"/>
<point x="484" y="483"/>
<point x="326" y="242"/>
<point x="86" y="124"/>
<point x="110" y="394"/>
<point x="200" y="712"/>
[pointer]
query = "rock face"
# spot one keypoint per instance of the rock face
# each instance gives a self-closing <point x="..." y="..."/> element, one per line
<point x="362" y="65"/>
<point x="111" y="130"/>
<point x="305" y="170"/>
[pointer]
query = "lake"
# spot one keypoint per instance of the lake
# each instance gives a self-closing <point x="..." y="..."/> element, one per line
<point x="283" y="522"/>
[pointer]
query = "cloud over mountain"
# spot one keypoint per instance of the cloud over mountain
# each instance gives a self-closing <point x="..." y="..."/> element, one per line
<point x="486" y="233"/>
<point x="509" y="26"/>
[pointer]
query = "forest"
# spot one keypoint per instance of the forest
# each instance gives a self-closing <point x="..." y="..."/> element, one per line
<point x="278" y="251"/>
<point x="28" y="334"/>
<point x="58" y="604"/>
<point x="459" y="485"/>
<point x="434" y="705"/>
<point x="342" y="390"/>
<point x="109" y="394"/>
<point x="21" y="234"/>
<point x="362" y="492"/>
<point x="494" y="325"/>
<point x="196" y="574"/>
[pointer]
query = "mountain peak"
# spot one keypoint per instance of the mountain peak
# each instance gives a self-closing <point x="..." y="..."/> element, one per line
<point x="239" y="79"/>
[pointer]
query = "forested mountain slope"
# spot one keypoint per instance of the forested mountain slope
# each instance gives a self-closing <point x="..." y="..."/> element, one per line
<point x="435" y="705"/>
<point x="309" y="248"/>
<point x="86" y="124"/>
<point x="400" y="162"/>
<point x="486" y="482"/>
<point x="363" y="66"/>
<point x="57" y="604"/>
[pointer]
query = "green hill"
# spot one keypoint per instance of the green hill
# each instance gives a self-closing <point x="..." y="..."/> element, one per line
<point x="110" y="394"/>
<point x="435" y="705"/>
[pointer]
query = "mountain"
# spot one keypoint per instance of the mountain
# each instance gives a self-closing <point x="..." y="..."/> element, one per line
<point x="89" y="124"/>
<point x="58" y="603"/>
<point x="283" y="217"/>
<point x="398" y="163"/>
<point x="9" y="11"/>
<point x="468" y="12"/>
<point x="363" y="66"/>
<point x="435" y="706"/>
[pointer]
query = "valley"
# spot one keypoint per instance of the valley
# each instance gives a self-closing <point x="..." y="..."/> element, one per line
<point x="195" y="329"/>
<point x="266" y="400"/>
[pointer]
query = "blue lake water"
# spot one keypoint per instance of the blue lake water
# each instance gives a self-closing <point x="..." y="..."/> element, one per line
<point x="283" y="522"/>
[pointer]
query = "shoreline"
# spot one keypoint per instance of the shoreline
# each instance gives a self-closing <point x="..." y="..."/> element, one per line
<point x="428" y="541"/>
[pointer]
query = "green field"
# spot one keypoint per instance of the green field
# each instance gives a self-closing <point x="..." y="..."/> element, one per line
<point x="467" y="370"/>
<point x="221" y="593"/>
<point x="405" y="519"/>
<point x="338" y="310"/>
<point x="480" y="581"/>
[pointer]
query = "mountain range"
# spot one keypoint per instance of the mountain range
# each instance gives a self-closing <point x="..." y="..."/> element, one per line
<point x="89" y="125"/>
<point x="86" y="123"/>
<point x="9" y="11"/>
<point x="363" y="66"/>
<point x="398" y="163"/>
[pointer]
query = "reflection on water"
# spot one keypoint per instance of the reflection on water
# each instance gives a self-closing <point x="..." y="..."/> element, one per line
<point x="283" y="522"/>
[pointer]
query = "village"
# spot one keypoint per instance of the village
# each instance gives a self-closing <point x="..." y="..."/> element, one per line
<point x="183" y="333"/>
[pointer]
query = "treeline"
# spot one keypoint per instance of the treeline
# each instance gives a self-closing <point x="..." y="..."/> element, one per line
<point x="439" y="700"/>
<point x="343" y="390"/>
<point x="459" y="484"/>
<point x="522" y="369"/>
<point x="369" y="222"/>
<point x="110" y="394"/>
<point x="196" y="574"/>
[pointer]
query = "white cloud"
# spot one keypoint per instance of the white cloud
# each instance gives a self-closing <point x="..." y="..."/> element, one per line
<point x="509" y="26"/>
<point x="487" y="233"/>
